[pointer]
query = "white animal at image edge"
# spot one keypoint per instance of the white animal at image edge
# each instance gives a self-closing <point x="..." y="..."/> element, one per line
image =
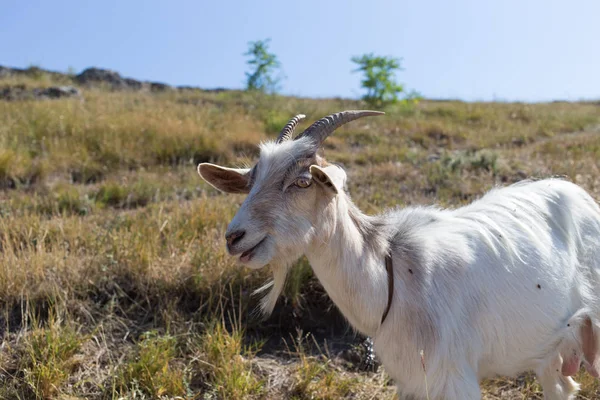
<point x="504" y="285"/>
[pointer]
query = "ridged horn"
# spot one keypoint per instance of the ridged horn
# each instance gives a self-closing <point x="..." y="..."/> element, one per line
<point x="288" y="130"/>
<point x="326" y="125"/>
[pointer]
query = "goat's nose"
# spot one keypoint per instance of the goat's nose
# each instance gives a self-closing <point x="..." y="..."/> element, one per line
<point x="234" y="237"/>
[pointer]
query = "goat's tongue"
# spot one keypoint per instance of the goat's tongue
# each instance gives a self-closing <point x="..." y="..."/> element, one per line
<point x="246" y="255"/>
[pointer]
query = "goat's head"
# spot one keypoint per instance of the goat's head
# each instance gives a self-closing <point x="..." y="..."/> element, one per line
<point x="288" y="190"/>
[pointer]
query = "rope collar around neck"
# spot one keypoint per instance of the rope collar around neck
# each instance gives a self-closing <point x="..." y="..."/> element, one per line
<point x="390" y="274"/>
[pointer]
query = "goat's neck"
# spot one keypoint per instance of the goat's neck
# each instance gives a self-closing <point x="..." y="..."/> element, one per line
<point x="348" y="255"/>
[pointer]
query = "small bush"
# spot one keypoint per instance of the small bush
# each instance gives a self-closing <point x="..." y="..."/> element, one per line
<point x="117" y="196"/>
<point x="111" y="194"/>
<point x="472" y="161"/>
<point x="87" y="173"/>
<point x="19" y="169"/>
<point x="6" y="160"/>
<point x="63" y="199"/>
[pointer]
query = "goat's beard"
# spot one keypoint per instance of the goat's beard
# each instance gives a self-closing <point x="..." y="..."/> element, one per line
<point x="268" y="301"/>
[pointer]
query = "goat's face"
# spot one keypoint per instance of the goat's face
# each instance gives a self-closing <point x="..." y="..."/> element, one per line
<point x="288" y="190"/>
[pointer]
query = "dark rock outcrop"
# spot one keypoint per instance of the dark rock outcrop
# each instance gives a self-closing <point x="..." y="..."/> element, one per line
<point x="132" y="84"/>
<point x="57" y="92"/>
<point x="95" y="76"/>
<point x="159" y="87"/>
<point x="89" y="77"/>
<point x="6" y="72"/>
<point x="92" y="76"/>
<point x="20" y="92"/>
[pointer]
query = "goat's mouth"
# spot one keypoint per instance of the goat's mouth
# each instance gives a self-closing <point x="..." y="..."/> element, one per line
<point x="247" y="255"/>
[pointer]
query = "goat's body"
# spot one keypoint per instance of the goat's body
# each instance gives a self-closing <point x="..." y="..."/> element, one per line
<point x="498" y="287"/>
<point x="506" y="284"/>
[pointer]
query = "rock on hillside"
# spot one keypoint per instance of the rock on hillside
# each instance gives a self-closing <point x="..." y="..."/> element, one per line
<point x="93" y="76"/>
<point x="20" y="92"/>
<point x="96" y="75"/>
<point x="89" y="77"/>
<point x="6" y="72"/>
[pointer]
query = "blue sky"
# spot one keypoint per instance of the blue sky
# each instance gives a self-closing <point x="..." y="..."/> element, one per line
<point x="527" y="50"/>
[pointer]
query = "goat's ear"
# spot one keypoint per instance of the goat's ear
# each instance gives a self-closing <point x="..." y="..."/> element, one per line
<point x="228" y="180"/>
<point x="331" y="177"/>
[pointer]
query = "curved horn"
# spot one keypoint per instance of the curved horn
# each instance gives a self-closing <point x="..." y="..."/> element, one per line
<point x="325" y="126"/>
<point x="288" y="130"/>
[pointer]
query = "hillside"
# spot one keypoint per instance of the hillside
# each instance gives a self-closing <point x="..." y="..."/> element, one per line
<point x="114" y="280"/>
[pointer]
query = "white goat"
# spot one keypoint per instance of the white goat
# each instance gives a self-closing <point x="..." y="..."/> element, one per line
<point x="504" y="285"/>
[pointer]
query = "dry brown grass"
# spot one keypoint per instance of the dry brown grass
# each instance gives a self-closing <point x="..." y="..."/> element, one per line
<point x="114" y="282"/>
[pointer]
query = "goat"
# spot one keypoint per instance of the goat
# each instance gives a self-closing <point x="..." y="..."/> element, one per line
<point x="504" y="285"/>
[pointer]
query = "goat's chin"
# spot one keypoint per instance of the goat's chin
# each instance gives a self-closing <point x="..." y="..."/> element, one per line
<point x="261" y="256"/>
<point x="255" y="264"/>
<point x="270" y="253"/>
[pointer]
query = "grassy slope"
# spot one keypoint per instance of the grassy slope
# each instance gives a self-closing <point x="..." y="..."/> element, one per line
<point x="113" y="277"/>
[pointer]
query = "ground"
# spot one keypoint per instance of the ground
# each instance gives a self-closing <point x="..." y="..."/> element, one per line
<point x="114" y="280"/>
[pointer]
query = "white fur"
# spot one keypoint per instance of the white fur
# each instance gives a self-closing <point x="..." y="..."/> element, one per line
<point x="498" y="287"/>
<point x="480" y="266"/>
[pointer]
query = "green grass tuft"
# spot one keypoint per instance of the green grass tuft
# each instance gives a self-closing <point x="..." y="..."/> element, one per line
<point x="152" y="371"/>
<point x="48" y="358"/>
<point x="228" y="365"/>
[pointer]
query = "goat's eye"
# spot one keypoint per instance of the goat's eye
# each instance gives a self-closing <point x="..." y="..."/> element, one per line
<point x="303" y="182"/>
